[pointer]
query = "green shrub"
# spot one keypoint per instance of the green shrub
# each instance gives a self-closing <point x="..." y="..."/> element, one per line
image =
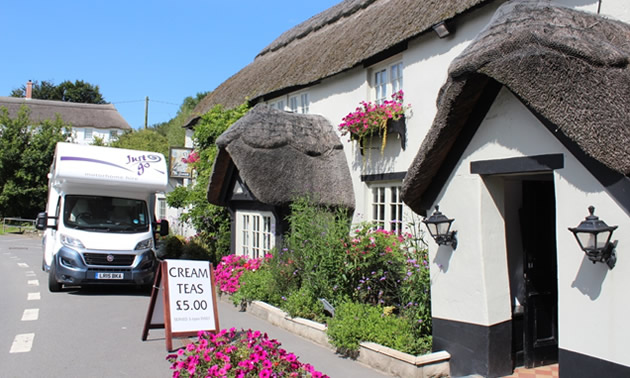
<point x="257" y="285"/>
<point x="304" y="304"/>
<point x="313" y="247"/>
<point x="194" y="250"/>
<point x="357" y="322"/>
<point x="171" y="248"/>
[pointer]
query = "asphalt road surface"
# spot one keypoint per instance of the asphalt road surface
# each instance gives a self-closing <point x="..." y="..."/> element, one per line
<point x="74" y="333"/>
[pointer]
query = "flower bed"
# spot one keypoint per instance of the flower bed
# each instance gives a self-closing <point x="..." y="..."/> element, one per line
<point x="237" y="354"/>
<point x="376" y="356"/>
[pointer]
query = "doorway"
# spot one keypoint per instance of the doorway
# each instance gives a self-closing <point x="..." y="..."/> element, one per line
<point x="532" y="261"/>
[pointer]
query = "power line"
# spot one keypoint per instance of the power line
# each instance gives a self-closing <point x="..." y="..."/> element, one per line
<point x="143" y="100"/>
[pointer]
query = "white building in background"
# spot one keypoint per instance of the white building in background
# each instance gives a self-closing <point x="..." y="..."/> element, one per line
<point x="88" y="122"/>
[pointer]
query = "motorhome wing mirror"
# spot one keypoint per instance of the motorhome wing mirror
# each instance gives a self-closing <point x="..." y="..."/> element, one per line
<point x="41" y="221"/>
<point x="163" y="227"/>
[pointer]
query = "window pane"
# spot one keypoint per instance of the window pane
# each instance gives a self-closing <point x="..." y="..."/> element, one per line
<point x="396" y="77"/>
<point x="304" y="102"/>
<point x="293" y="104"/>
<point x="380" y="86"/>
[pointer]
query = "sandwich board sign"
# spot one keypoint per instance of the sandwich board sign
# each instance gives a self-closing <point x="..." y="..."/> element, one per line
<point x="188" y="300"/>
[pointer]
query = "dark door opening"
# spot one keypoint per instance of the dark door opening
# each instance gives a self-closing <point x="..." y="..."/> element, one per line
<point x="540" y="309"/>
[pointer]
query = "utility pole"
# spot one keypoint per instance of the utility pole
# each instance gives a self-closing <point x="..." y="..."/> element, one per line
<point x="146" y="112"/>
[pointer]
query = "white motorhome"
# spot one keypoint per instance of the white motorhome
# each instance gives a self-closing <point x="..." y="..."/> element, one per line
<point x="99" y="222"/>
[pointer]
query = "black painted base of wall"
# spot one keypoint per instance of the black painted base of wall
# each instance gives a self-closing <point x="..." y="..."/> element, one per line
<point x="475" y="349"/>
<point x="576" y="365"/>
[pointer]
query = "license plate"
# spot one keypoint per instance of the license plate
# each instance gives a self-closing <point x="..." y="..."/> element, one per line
<point x="109" y="276"/>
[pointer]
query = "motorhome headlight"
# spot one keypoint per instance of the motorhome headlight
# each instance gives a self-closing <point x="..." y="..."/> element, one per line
<point x="145" y="244"/>
<point x="71" y="242"/>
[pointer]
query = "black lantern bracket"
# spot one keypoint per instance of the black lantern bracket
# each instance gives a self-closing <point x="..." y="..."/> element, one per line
<point x="439" y="227"/>
<point x="593" y="235"/>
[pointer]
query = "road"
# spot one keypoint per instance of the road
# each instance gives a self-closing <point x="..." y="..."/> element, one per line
<point x="97" y="332"/>
<point x="74" y="333"/>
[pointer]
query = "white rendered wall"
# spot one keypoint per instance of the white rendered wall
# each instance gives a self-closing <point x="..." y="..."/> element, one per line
<point x="78" y="135"/>
<point x="471" y="283"/>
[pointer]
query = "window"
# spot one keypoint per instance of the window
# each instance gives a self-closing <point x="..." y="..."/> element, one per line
<point x="88" y="134"/>
<point x="113" y="134"/>
<point x="304" y="102"/>
<point x="121" y="215"/>
<point x="386" y="81"/>
<point x="255" y="233"/>
<point x="293" y="104"/>
<point x="299" y="103"/>
<point x="395" y="77"/>
<point x="387" y="207"/>
<point x="162" y="208"/>
<point x="380" y="86"/>
<point x="279" y="105"/>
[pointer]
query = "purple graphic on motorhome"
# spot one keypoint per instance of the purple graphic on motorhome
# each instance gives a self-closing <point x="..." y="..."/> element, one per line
<point x="140" y="162"/>
<point x="143" y="161"/>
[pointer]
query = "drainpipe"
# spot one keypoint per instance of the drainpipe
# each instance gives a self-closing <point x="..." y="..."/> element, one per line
<point x="29" y="90"/>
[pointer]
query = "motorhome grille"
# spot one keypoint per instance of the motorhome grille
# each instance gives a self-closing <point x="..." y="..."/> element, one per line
<point x="101" y="259"/>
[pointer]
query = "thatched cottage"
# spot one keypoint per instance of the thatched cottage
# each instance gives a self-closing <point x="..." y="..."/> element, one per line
<point x="265" y="161"/>
<point x="533" y="127"/>
<point x="88" y="121"/>
<point x="530" y="129"/>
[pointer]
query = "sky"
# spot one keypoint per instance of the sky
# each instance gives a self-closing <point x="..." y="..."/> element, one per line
<point x="166" y="50"/>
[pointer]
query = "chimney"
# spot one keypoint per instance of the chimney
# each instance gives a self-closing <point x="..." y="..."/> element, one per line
<point x="29" y="90"/>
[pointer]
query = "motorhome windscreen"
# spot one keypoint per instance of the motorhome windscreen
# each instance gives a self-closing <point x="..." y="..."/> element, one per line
<point x="110" y="214"/>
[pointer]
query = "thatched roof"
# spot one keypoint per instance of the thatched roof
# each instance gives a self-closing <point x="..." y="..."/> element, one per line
<point x="99" y="116"/>
<point x="281" y="155"/>
<point x="338" y="39"/>
<point x="568" y="67"/>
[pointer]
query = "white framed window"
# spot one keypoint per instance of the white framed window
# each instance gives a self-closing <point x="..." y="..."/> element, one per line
<point x="113" y="134"/>
<point x="386" y="79"/>
<point x="161" y="208"/>
<point x="278" y="104"/>
<point x="88" y="135"/>
<point x="254" y="233"/>
<point x="386" y="206"/>
<point x="299" y="103"/>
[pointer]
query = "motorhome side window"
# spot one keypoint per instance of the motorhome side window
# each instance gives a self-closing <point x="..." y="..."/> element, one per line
<point x="98" y="213"/>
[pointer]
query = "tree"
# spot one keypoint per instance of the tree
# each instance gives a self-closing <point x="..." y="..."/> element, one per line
<point x="173" y="129"/>
<point x="211" y="222"/>
<point x="26" y="153"/>
<point x="46" y="90"/>
<point x="79" y="91"/>
<point x="144" y="140"/>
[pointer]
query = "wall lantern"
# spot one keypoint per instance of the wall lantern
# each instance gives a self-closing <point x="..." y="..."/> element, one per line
<point x="440" y="228"/>
<point x="593" y="236"/>
<point x="441" y="29"/>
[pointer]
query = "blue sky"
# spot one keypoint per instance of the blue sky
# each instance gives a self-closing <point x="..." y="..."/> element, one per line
<point x="131" y="49"/>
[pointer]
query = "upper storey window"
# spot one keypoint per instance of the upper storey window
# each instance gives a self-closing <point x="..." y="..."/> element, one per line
<point x="386" y="79"/>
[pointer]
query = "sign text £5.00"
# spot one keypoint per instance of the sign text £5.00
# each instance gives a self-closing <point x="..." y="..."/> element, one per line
<point x="189" y="299"/>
